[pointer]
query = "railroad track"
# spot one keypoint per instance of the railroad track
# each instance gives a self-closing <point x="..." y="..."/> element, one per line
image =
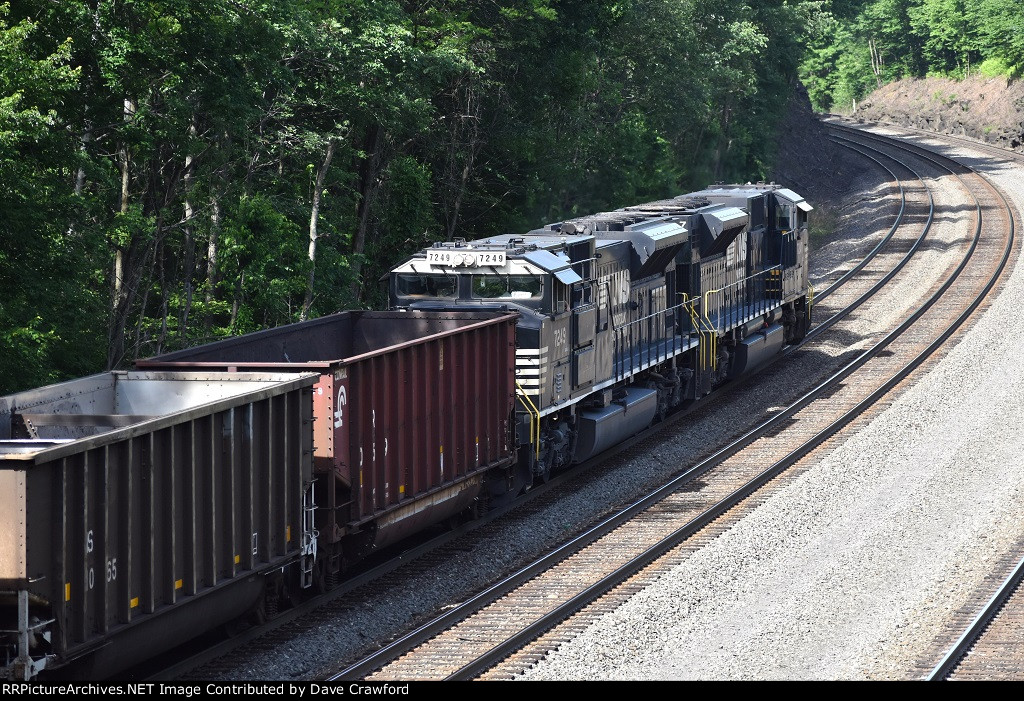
<point x="351" y="598"/>
<point x="989" y="648"/>
<point x="218" y="657"/>
<point x="952" y="139"/>
<point x="489" y="636"/>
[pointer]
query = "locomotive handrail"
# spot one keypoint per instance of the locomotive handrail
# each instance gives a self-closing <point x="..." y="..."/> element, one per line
<point x="696" y="319"/>
<point x="712" y="331"/>
<point x="534" y="413"/>
<point x="648" y="341"/>
<point x="745" y="295"/>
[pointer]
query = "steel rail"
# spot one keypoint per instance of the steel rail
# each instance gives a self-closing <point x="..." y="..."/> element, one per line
<point x="498" y="652"/>
<point x="952" y="659"/>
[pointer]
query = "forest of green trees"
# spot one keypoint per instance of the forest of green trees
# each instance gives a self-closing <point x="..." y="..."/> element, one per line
<point x="173" y="171"/>
<point x="855" y="46"/>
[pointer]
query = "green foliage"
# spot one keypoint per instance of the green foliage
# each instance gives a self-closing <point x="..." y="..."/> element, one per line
<point x="264" y="264"/>
<point x="165" y="163"/>
<point x="876" y="41"/>
<point x="1001" y="33"/>
<point x="996" y="68"/>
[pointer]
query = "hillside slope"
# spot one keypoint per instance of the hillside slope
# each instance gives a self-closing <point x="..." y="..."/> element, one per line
<point x="986" y="109"/>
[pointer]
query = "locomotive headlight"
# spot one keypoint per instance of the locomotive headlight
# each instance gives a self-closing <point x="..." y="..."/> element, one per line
<point x="469" y="259"/>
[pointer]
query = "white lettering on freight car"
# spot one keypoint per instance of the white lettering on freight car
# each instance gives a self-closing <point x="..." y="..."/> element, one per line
<point x="339" y="415"/>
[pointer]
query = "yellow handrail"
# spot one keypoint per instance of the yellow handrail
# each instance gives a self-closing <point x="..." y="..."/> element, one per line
<point x="695" y="320"/>
<point x="534" y="412"/>
<point x="712" y="332"/>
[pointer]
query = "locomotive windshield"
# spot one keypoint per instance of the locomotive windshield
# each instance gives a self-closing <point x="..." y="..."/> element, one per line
<point x="413" y="285"/>
<point x="507" y="287"/>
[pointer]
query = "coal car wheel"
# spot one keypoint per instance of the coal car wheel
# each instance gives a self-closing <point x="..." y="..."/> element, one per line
<point x="321" y="578"/>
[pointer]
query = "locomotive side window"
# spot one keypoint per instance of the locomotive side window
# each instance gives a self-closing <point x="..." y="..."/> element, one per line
<point x="582" y="294"/>
<point x="412" y="285"/>
<point x="782" y="217"/>
<point x="507" y="287"/>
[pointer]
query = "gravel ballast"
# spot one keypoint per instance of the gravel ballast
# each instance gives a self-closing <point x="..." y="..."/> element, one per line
<point x="852" y="570"/>
<point x="388" y="611"/>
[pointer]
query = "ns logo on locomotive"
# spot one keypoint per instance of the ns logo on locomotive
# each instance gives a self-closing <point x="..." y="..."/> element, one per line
<point x="141" y="508"/>
<point x="628" y="314"/>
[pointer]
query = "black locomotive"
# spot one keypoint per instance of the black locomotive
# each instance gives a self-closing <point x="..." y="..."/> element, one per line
<point x="626" y="315"/>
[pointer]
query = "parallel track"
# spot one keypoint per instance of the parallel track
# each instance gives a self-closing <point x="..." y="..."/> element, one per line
<point x="541" y="596"/>
<point x="213" y="656"/>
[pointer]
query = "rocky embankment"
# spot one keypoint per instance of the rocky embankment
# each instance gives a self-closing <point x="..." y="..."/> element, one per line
<point x="986" y="109"/>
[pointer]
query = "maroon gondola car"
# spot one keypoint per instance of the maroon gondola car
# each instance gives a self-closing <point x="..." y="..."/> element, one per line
<point x="413" y="415"/>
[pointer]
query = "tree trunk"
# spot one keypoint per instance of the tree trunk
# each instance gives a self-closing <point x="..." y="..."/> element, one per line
<point x="369" y="179"/>
<point x="119" y="307"/>
<point x="314" y="219"/>
<point x="876" y="61"/>
<point x="473" y="145"/>
<point x="237" y="300"/>
<point x="164" y="296"/>
<point x="124" y="158"/>
<point x="211" y="262"/>
<point x="86" y="138"/>
<point x="189" y="243"/>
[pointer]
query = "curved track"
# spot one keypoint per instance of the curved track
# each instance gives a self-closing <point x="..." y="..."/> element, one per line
<point x="225" y="657"/>
<point x="498" y="622"/>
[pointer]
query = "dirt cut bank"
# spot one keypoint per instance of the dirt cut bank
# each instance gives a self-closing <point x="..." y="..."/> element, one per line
<point x="986" y="109"/>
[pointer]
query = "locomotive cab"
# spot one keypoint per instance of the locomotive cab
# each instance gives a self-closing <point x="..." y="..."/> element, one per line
<point x="515" y="273"/>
